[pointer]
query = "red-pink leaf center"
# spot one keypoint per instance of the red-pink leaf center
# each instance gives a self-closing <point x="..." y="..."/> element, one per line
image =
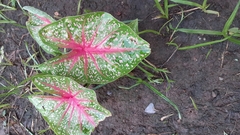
<point x="73" y="104"/>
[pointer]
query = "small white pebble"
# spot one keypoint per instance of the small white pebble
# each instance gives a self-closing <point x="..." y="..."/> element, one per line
<point x="109" y="93"/>
<point x="150" y="109"/>
<point x="220" y="78"/>
<point x="214" y="94"/>
<point x="236" y="60"/>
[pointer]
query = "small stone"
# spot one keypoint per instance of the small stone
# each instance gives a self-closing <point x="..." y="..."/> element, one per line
<point x="109" y="93"/>
<point x="214" y="94"/>
<point x="220" y="78"/>
<point x="150" y="109"/>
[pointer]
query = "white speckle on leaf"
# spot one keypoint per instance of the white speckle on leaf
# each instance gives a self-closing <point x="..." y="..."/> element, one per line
<point x="150" y="109"/>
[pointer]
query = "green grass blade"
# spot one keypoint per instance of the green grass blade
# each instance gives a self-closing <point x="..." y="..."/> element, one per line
<point x="174" y="31"/>
<point x="166" y="8"/>
<point x="5" y="106"/>
<point x="230" y="19"/>
<point x="79" y="6"/>
<point x="199" y="31"/>
<point x="9" y="93"/>
<point x="139" y="80"/>
<point x="164" y="25"/>
<point x="8" y="7"/>
<point x="234" y="40"/>
<point x="155" y="69"/>
<point x="31" y="56"/>
<point x="24" y="12"/>
<point x="13" y="3"/>
<point x="145" y="71"/>
<point x="164" y="97"/>
<point x="194" y="104"/>
<point x="2" y="16"/>
<point x="129" y="21"/>
<point x="208" y="53"/>
<point x="204" y="4"/>
<point x="8" y="82"/>
<point x="128" y="88"/>
<point x="98" y="86"/>
<point x="6" y="21"/>
<point x="186" y="2"/>
<point x="212" y="12"/>
<point x="40" y="132"/>
<point x="2" y="30"/>
<point x="172" y="5"/>
<point x="203" y="44"/>
<point x="159" y="7"/>
<point x="148" y="31"/>
<point x="19" y="25"/>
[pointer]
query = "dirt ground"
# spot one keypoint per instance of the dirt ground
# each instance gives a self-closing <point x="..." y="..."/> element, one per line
<point x="212" y="81"/>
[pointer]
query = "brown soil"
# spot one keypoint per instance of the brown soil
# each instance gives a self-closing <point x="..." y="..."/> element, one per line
<point x="213" y="82"/>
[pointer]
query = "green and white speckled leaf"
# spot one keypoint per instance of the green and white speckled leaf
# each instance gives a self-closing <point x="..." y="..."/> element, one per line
<point x="101" y="48"/>
<point x="37" y="20"/>
<point x="71" y="109"/>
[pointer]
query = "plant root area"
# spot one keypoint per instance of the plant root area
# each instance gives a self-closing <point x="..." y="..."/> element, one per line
<point x="207" y="76"/>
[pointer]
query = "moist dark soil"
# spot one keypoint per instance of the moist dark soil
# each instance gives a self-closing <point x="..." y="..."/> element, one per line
<point x="212" y="79"/>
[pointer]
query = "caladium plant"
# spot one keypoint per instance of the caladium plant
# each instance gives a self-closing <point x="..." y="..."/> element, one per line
<point x="72" y="109"/>
<point x="97" y="49"/>
<point x="101" y="49"/>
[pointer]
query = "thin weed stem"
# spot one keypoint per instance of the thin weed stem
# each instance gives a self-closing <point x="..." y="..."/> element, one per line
<point x="79" y="7"/>
<point x="139" y="80"/>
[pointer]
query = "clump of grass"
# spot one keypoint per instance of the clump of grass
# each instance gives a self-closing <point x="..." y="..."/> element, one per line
<point x="227" y="33"/>
<point x="164" y="10"/>
<point x="4" y="19"/>
<point x="203" y="7"/>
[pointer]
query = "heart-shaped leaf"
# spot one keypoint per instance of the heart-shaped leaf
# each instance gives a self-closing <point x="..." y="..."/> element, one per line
<point x="101" y="48"/>
<point x="71" y="109"/>
<point x="37" y="20"/>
